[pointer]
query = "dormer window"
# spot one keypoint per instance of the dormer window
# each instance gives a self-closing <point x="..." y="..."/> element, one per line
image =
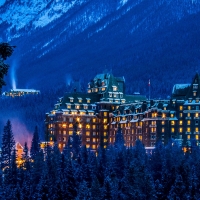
<point x="71" y="99"/>
<point x="114" y="88"/>
<point x="123" y="100"/>
<point x="172" y="115"/>
<point x="163" y="115"/>
<point x="190" y="100"/>
<point x="69" y="106"/>
<point x="85" y="106"/>
<point x="114" y="95"/>
<point x="195" y="86"/>
<point x="88" y="100"/>
<point x="77" y="106"/>
<point x="80" y="100"/>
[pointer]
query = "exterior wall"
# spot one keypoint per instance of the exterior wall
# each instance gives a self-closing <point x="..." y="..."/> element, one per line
<point x="177" y="119"/>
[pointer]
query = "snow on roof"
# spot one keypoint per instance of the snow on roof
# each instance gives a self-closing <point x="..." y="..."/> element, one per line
<point x="179" y="86"/>
<point x="24" y="90"/>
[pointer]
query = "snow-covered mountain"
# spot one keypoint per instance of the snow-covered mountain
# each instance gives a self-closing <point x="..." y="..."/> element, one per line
<point x="136" y="38"/>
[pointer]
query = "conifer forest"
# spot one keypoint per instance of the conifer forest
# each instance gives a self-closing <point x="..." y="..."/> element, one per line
<point x="113" y="173"/>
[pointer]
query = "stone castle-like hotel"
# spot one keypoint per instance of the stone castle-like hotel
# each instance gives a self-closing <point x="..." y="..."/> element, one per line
<point x="98" y="113"/>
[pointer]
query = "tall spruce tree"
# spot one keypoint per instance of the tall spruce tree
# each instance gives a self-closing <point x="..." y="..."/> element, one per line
<point x="8" y="145"/>
<point x="74" y="142"/>
<point x="35" y="143"/>
<point x="119" y="138"/>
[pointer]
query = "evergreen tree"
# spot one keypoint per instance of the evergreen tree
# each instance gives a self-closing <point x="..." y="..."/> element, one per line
<point x="5" y="51"/>
<point x="119" y="138"/>
<point x="35" y="148"/>
<point x="74" y="142"/>
<point x="8" y="145"/>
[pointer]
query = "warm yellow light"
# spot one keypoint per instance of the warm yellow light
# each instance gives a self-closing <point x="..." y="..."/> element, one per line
<point x="64" y="125"/>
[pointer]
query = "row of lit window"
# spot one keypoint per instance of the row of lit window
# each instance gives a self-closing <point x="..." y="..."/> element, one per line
<point x="79" y="100"/>
<point x="96" y="89"/>
<point x="188" y="129"/>
<point x="115" y="95"/>
<point x="189" y="107"/>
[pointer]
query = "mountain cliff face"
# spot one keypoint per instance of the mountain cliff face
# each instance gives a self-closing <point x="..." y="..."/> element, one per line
<point x="138" y="39"/>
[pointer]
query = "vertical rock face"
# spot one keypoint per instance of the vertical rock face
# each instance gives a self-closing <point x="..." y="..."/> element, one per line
<point x="139" y="35"/>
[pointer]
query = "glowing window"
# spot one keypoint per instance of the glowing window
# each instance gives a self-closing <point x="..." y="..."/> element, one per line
<point x="181" y="108"/>
<point x="140" y="137"/>
<point x="87" y="126"/>
<point x="172" y="115"/>
<point x="163" y="122"/>
<point x="93" y="126"/>
<point x="87" y="146"/>
<point x="70" y="132"/>
<point x="188" y="122"/>
<point x="163" y="115"/>
<point x="188" y="115"/>
<point x="87" y="133"/>
<point x="180" y="114"/>
<point x="70" y="125"/>
<point x="94" y="140"/>
<point x="105" y="134"/>
<point x="105" y="120"/>
<point x="77" y="107"/>
<point x="173" y="122"/>
<point x="196" y="137"/>
<point x="172" y="130"/>
<point x="196" y="114"/>
<point x="163" y="130"/>
<point x="188" y="137"/>
<point x="105" y="127"/>
<point x="94" y="120"/>
<point x="68" y="106"/>
<point x="188" y="129"/>
<point x="64" y="132"/>
<point x="196" y="129"/>
<point x="103" y="89"/>
<point x="180" y="130"/>
<point x="180" y="122"/>
<point x="189" y="107"/>
<point x="87" y="139"/>
<point x="104" y="140"/>
<point x="114" y="88"/>
<point x="105" y="114"/>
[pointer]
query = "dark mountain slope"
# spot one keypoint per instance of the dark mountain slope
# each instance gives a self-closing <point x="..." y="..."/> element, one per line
<point x="141" y="40"/>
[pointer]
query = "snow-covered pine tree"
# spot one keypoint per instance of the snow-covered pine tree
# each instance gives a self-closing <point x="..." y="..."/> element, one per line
<point x="119" y="138"/>
<point x="8" y="145"/>
<point x="74" y="142"/>
<point x="35" y="143"/>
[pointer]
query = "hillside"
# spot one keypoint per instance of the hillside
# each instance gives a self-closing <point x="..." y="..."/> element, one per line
<point x="137" y="39"/>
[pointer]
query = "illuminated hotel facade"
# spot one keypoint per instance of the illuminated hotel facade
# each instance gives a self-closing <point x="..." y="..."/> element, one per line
<point x="98" y="114"/>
